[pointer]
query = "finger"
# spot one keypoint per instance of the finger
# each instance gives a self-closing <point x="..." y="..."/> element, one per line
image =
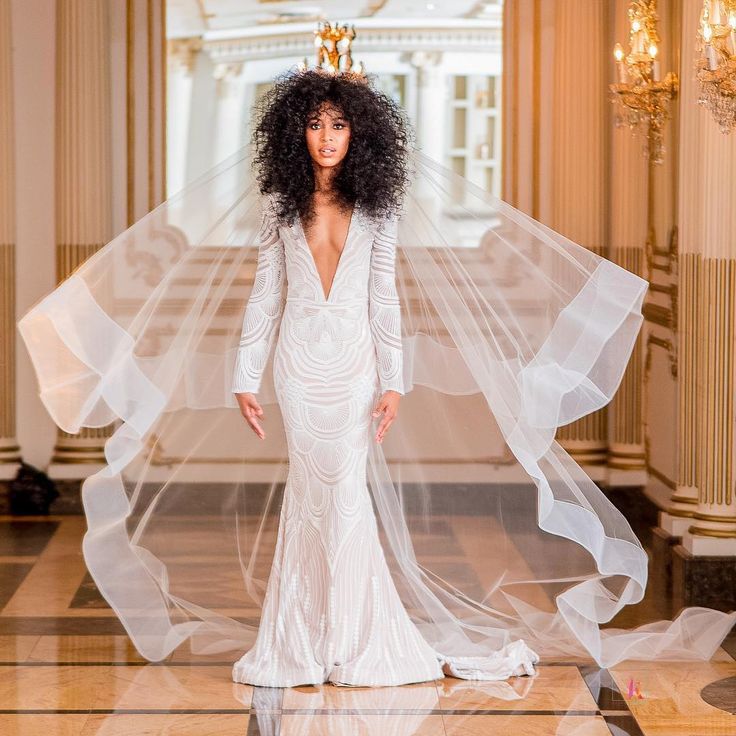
<point x="255" y="425"/>
<point x="381" y="437"/>
<point x="383" y="427"/>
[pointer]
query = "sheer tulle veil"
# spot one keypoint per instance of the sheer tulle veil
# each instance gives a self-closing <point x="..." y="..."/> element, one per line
<point x="491" y="530"/>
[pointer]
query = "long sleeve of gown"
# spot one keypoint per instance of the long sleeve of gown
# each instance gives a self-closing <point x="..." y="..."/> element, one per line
<point x="264" y="308"/>
<point x="384" y="308"/>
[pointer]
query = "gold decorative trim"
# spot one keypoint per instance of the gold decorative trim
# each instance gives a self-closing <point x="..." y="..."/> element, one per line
<point x="130" y="105"/>
<point x="713" y="517"/>
<point x="164" y="101"/>
<point x="60" y="460"/>
<point x="681" y="513"/>
<point x="653" y="340"/>
<point x="677" y="498"/>
<point x="81" y="450"/>
<point x="716" y="533"/>
<point x="659" y="315"/>
<point x="536" y="109"/>
<point x="151" y="97"/>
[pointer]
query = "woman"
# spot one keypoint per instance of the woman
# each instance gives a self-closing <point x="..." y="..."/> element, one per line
<point x="332" y="154"/>
<point x="481" y="544"/>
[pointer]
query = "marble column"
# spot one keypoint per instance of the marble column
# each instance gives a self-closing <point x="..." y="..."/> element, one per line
<point x="713" y="528"/>
<point x="230" y="114"/>
<point x="578" y="171"/>
<point x="144" y="105"/>
<point x="83" y="174"/>
<point x="9" y="450"/>
<point x="708" y="303"/>
<point x="431" y="102"/>
<point x="182" y="54"/>
<point x="555" y="149"/>
<point x="628" y="234"/>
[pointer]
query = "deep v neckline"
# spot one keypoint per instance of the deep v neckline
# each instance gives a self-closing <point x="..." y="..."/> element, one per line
<point x="326" y="298"/>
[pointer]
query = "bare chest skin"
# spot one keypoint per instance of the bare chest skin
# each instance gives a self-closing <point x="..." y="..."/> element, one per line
<point x="326" y="237"/>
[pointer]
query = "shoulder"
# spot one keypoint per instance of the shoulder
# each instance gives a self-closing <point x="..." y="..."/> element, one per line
<point x="382" y="223"/>
<point x="268" y="202"/>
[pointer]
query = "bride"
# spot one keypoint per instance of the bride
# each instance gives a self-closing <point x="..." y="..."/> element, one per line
<point x="454" y="536"/>
<point x="332" y="154"/>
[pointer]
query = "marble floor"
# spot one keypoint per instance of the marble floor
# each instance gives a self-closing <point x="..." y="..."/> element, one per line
<point x="67" y="668"/>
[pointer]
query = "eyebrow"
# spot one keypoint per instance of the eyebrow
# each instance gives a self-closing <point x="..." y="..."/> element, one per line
<point x="317" y="118"/>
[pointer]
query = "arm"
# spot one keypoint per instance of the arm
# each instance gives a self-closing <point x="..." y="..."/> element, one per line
<point x="384" y="308"/>
<point x="264" y="309"/>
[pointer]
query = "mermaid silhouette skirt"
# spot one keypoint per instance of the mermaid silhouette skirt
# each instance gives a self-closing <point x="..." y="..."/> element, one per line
<point x="332" y="612"/>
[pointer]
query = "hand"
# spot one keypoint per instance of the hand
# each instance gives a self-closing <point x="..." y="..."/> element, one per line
<point x="389" y="406"/>
<point x="252" y="411"/>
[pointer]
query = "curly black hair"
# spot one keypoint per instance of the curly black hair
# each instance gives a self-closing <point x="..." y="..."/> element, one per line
<point x="374" y="172"/>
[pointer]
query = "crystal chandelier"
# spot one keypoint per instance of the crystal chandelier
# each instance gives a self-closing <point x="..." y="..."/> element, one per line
<point x="717" y="63"/>
<point x="333" y="44"/>
<point x="640" y="94"/>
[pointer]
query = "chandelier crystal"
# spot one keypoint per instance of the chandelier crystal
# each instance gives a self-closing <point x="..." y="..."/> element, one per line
<point x="640" y="94"/>
<point x="716" y="66"/>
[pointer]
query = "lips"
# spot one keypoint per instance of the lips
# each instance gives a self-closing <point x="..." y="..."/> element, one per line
<point x="327" y="150"/>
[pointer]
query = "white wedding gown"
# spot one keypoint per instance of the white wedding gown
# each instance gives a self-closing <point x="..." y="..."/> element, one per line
<point x="332" y="612"/>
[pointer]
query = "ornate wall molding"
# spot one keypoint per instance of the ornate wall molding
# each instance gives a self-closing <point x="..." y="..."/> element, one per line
<point x="400" y="40"/>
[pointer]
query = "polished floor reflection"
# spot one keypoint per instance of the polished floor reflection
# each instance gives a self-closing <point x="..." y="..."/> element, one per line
<point x="67" y="668"/>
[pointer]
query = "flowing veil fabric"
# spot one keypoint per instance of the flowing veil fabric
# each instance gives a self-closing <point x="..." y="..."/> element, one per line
<point x="492" y="532"/>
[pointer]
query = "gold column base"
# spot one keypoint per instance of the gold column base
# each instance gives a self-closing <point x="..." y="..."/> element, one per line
<point x="701" y="531"/>
<point x="87" y="447"/>
<point x="627" y="457"/>
<point x="714" y="525"/>
<point x="9" y="452"/>
<point x="586" y="452"/>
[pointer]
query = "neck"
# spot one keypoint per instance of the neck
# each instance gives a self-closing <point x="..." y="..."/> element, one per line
<point x="324" y="177"/>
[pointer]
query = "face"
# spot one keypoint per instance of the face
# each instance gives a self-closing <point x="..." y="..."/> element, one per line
<point x="328" y="136"/>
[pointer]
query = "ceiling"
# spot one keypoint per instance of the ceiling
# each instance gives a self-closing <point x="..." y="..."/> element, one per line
<point x="202" y="17"/>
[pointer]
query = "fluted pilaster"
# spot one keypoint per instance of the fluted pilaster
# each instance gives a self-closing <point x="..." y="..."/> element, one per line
<point x="628" y="234"/>
<point x="708" y="213"/>
<point x="9" y="450"/>
<point x="579" y="150"/>
<point x="83" y="175"/>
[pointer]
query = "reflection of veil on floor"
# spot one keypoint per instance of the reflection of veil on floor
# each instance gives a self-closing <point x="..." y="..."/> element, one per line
<point x="491" y="530"/>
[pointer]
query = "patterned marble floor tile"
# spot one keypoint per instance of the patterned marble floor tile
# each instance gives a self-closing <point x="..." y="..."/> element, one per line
<point x="190" y="724"/>
<point x="666" y="699"/>
<point x="157" y="687"/>
<point x="330" y="697"/>
<point x="50" y="585"/>
<point x="16" y="648"/>
<point x="361" y="725"/>
<point x="81" y="648"/>
<point x="25" y="537"/>
<point x="34" y="724"/>
<point x="552" y="689"/>
<point x="525" y="725"/>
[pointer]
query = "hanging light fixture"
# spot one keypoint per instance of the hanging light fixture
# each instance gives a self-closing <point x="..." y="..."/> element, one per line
<point x="641" y="95"/>
<point x="717" y="63"/>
